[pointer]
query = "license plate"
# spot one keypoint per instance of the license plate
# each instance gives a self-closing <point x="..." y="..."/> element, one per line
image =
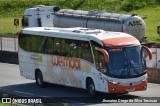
<point x="131" y="89"/>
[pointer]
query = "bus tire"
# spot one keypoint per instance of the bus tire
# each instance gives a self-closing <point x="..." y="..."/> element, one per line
<point x="91" y="87"/>
<point x="39" y="79"/>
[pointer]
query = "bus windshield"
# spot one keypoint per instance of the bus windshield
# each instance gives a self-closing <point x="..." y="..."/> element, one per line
<point x="126" y="62"/>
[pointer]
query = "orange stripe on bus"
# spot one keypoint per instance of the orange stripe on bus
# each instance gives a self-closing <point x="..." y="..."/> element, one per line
<point x="122" y="41"/>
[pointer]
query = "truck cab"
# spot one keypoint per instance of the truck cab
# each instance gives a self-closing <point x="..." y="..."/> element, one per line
<point x="39" y="16"/>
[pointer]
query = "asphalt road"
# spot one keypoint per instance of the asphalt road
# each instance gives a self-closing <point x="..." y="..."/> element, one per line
<point x="12" y="82"/>
<point x="155" y="56"/>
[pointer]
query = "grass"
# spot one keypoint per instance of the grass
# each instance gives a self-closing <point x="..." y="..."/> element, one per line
<point x="152" y="21"/>
<point x="10" y="9"/>
<point x="7" y="26"/>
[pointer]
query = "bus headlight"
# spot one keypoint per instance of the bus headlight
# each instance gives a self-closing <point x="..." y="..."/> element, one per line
<point x="113" y="82"/>
<point x="114" y="89"/>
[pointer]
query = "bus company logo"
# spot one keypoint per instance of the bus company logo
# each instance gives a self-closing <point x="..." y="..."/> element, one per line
<point x="6" y="100"/>
<point x="71" y="63"/>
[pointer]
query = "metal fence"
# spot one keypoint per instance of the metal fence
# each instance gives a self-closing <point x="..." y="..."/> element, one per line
<point x="8" y="43"/>
<point x="9" y="49"/>
<point x="155" y="62"/>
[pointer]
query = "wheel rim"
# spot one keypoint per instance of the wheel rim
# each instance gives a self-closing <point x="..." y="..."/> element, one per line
<point x="91" y="89"/>
<point x="39" y="81"/>
<point x="39" y="78"/>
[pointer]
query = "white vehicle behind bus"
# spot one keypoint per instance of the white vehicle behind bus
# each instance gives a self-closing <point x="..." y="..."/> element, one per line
<point x="53" y="16"/>
<point x="92" y="59"/>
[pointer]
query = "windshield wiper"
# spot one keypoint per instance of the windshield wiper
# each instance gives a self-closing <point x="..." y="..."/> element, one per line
<point x="129" y="64"/>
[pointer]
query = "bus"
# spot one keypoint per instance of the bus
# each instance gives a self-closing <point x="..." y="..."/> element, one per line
<point x="91" y="59"/>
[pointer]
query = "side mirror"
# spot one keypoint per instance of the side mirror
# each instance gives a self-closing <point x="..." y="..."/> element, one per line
<point x="105" y="53"/>
<point x="148" y="51"/>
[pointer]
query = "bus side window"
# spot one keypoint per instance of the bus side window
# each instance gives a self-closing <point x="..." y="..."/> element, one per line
<point x="101" y="62"/>
<point x="29" y="43"/>
<point x="50" y="45"/>
<point x="57" y="46"/>
<point x="74" y="48"/>
<point x="67" y="47"/>
<point x="44" y="45"/>
<point x="99" y="57"/>
<point x="71" y="48"/>
<point x="23" y="42"/>
<point x="38" y="43"/>
<point x="86" y="53"/>
<point x="62" y="47"/>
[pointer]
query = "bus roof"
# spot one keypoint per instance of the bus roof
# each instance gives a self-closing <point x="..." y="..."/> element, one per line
<point x="105" y="38"/>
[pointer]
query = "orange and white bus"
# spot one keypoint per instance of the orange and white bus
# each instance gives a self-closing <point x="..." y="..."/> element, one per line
<point x="92" y="59"/>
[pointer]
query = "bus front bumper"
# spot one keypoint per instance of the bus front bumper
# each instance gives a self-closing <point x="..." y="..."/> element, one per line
<point x="118" y="88"/>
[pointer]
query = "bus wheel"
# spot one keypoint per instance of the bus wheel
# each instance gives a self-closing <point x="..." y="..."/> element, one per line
<point x="91" y="88"/>
<point x="39" y="79"/>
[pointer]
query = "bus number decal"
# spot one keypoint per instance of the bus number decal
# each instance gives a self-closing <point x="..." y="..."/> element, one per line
<point x="71" y="63"/>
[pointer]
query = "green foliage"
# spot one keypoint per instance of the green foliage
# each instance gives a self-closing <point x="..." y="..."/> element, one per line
<point x="10" y="9"/>
<point x="130" y="5"/>
<point x="7" y="26"/>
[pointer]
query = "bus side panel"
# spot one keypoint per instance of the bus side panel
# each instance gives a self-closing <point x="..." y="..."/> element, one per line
<point x="77" y="78"/>
<point x="100" y="80"/>
<point x="64" y="74"/>
<point x="60" y="74"/>
<point x="25" y="64"/>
